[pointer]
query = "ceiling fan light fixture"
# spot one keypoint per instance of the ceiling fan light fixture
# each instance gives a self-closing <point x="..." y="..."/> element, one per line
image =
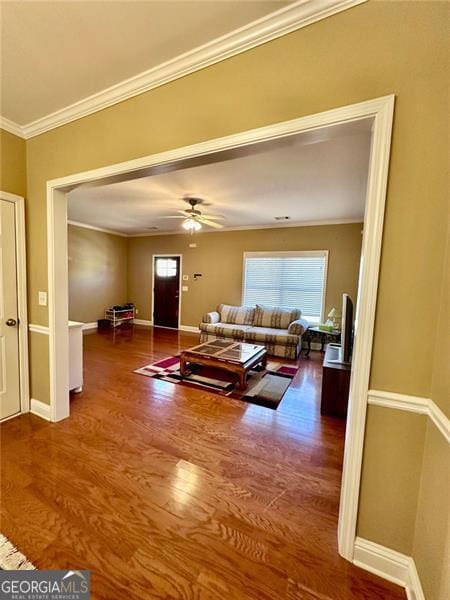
<point x="191" y="225"/>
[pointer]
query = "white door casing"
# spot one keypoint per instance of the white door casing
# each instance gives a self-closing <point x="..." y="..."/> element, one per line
<point x="9" y="332"/>
<point x="380" y="110"/>
<point x="18" y="204"/>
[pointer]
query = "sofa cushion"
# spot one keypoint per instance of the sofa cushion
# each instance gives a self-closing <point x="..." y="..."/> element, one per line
<point x="270" y="335"/>
<point x="239" y="315"/>
<point x="225" y="329"/>
<point x="276" y="318"/>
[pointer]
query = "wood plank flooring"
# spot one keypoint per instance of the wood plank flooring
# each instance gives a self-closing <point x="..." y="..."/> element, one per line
<point x="171" y="493"/>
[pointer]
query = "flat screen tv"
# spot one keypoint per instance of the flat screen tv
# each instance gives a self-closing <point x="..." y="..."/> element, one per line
<point x="345" y="348"/>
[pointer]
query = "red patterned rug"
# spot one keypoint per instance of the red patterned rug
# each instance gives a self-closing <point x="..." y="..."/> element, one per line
<point x="265" y="387"/>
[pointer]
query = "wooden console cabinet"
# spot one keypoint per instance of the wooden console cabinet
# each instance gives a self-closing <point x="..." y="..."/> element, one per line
<point x="335" y="385"/>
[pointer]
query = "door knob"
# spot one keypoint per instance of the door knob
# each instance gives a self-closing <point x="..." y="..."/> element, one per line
<point x="11" y="322"/>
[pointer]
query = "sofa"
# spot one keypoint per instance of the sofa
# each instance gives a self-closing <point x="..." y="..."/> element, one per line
<point x="279" y="330"/>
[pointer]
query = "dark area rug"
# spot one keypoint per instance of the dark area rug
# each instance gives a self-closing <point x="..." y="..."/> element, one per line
<point x="265" y="387"/>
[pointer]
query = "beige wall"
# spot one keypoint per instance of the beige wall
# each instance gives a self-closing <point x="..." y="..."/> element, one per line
<point x="378" y="54"/>
<point x="106" y="269"/>
<point x="219" y="257"/>
<point x="97" y="273"/>
<point x="440" y="384"/>
<point x="432" y="528"/>
<point x="431" y="547"/>
<point x="371" y="50"/>
<point x="12" y="164"/>
<point x="391" y="474"/>
<point x="38" y="351"/>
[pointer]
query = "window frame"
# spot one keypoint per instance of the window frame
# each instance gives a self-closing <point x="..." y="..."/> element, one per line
<point x="294" y="254"/>
<point x="167" y="267"/>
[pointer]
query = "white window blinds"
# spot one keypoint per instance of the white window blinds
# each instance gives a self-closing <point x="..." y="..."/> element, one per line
<point x="286" y="279"/>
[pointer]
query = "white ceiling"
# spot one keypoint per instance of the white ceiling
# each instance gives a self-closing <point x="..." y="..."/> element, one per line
<point x="56" y="53"/>
<point x="313" y="177"/>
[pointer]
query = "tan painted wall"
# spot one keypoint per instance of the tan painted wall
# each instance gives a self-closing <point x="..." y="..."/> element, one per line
<point x="97" y="273"/>
<point x="12" y="164"/>
<point x="219" y="257"/>
<point x="374" y="49"/>
<point x="391" y="474"/>
<point x="38" y="351"/>
<point x="378" y="54"/>
<point x="431" y="548"/>
<point x="440" y="385"/>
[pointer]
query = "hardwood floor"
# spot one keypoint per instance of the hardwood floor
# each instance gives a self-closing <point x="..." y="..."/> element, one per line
<point x="168" y="492"/>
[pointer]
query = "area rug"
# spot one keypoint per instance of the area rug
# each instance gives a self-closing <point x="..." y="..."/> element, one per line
<point x="11" y="558"/>
<point x="265" y="387"/>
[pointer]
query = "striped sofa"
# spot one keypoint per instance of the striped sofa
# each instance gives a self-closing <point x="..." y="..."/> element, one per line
<point x="279" y="330"/>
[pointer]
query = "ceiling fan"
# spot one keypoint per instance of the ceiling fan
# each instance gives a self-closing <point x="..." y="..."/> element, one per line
<point x="194" y="219"/>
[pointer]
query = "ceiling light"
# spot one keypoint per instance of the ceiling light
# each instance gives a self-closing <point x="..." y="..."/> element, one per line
<point x="191" y="225"/>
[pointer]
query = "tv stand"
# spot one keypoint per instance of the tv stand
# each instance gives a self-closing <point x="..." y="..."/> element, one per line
<point x="335" y="384"/>
<point x="334" y="355"/>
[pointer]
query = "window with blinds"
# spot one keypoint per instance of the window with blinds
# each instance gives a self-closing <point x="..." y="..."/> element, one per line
<point x="287" y="280"/>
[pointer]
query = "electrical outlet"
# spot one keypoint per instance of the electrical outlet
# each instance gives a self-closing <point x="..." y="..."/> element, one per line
<point x="192" y="245"/>
<point x="42" y="298"/>
<point x="136" y="311"/>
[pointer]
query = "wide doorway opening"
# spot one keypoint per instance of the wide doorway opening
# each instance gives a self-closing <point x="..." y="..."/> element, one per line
<point x="377" y="116"/>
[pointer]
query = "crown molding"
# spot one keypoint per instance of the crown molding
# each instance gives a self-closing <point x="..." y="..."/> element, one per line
<point x="253" y="227"/>
<point x="223" y="230"/>
<point x="11" y="127"/>
<point x="281" y="22"/>
<point x="95" y="228"/>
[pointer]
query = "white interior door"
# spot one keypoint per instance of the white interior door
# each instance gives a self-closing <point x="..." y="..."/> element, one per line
<point x="9" y="330"/>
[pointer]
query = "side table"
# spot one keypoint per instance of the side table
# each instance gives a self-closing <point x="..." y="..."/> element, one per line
<point x="314" y="334"/>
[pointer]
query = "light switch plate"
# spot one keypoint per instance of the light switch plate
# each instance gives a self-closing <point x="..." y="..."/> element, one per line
<point x="184" y="288"/>
<point x="185" y="277"/>
<point x="42" y="298"/>
<point x="192" y="245"/>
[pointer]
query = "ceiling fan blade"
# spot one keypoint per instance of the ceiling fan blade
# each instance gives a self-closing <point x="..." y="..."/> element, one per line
<point x="213" y="217"/>
<point x="210" y="223"/>
<point x="171" y="217"/>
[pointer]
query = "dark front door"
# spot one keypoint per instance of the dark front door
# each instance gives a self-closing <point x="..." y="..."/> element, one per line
<point x="166" y="291"/>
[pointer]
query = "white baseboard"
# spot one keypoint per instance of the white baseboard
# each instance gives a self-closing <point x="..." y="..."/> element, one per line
<point x="381" y="561"/>
<point x="389" y="564"/>
<point x="87" y="326"/>
<point x="143" y="322"/>
<point x="40" y="409"/>
<point x="146" y="323"/>
<point x="189" y="328"/>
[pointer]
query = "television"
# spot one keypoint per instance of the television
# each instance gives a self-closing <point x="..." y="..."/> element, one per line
<point x="344" y="349"/>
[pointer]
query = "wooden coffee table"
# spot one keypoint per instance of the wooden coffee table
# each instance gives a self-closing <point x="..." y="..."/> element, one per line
<point x="235" y="357"/>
